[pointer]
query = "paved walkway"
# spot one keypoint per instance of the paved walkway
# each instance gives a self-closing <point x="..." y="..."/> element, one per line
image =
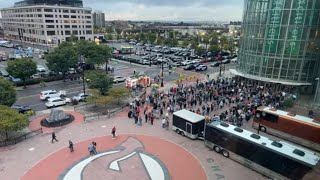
<point x="20" y="160"/>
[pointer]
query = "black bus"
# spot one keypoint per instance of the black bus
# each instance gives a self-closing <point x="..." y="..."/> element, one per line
<point x="275" y="159"/>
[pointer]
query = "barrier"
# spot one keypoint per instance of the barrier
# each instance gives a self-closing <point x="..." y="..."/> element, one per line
<point x="20" y="138"/>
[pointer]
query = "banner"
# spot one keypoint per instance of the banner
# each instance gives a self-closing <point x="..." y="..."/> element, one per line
<point x="273" y="29"/>
<point x="297" y="21"/>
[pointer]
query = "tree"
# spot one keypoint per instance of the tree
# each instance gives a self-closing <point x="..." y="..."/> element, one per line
<point x="200" y="50"/>
<point x="194" y="44"/>
<point x="7" y="93"/>
<point x="185" y="43"/>
<point x="100" y="81"/>
<point x="214" y="48"/>
<point x="73" y="38"/>
<point x="119" y="93"/>
<point x="151" y="37"/>
<point x="109" y="36"/>
<point x="11" y="120"/>
<point x="159" y="40"/>
<point x="93" y="54"/>
<point x="22" y="68"/>
<point x="62" y="58"/>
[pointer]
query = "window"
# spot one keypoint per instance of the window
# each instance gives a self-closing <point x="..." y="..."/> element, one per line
<point x="66" y="11"/>
<point x="88" y="26"/>
<point x="270" y="117"/>
<point x="48" y="10"/>
<point x="66" y="21"/>
<point x="74" y="26"/>
<point x="38" y="10"/>
<point x="224" y="124"/>
<point x="75" y="32"/>
<point x="238" y="129"/>
<point x="65" y="16"/>
<point x="48" y="15"/>
<point x="67" y="32"/>
<point x="50" y="26"/>
<point x="88" y="32"/>
<point x="73" y="17"/>
<point x="88" y="17"/>
<point x="50" y="33"/>
<point x="73" y="11"/>
<point x="49" y="21"/>
<point x="66" y="26"/>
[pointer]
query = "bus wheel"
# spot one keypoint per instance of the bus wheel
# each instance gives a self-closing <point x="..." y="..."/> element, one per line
<point x="182" y="133"/>
<point x="225" y="153"/>
<point x="263" y="129"/>
<point x="177" y="131"/>
<point x="217" y="149"/>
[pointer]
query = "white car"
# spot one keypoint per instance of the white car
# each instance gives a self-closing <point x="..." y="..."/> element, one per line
<point x="185" y="63"/>
<point x="195" y="61"/>
<point x="234" y="60"/>
<point x="57" y="101"/>
<point x="45" y="95"/>
<point x="80" y="97"/>
<point x="41" y="69"/>
<point x="118" y="79"/>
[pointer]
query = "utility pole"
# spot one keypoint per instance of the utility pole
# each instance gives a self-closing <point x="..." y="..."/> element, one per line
<point x="317" y="91"/>
<point x="162" y="69"/>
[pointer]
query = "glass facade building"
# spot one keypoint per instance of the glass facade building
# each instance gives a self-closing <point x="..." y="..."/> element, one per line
<point x="280" y="41"/>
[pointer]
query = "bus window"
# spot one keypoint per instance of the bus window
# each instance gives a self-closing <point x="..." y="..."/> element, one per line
<point x="271" y="118"/>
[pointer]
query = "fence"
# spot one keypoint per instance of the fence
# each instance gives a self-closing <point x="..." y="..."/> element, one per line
<point x="93" y="116"/>
<point x="20" y="138"/>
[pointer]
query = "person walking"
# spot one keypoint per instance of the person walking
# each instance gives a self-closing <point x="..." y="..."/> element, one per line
<point x="71" y="146"/>
<point x="94" y="149"/>
<point x="90" y="149"/>
<point x="54" y="137"/>
<point x="113" y="132"/>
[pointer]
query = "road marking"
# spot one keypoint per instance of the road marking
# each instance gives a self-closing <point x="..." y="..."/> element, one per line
<point x="31" y="149"/>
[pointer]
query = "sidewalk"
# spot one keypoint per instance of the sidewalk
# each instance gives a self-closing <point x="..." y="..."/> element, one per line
<point x="48" y="84"/>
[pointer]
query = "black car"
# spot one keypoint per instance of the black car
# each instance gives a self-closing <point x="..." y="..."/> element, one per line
<point x="190" y="67"/>
<point x="215" y="64"/>
<point x="21" y="109"/>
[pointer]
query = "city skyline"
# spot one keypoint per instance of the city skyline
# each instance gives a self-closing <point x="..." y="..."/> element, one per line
<point x="163" y="10"/>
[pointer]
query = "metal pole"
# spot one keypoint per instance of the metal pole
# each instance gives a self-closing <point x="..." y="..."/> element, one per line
<point x="83" y="81"/>
<point x="162" y="73"/>
<point x="106" y="65"/>
<point x="317" y="91"/>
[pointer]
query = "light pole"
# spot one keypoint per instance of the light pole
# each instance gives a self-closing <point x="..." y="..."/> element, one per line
<point x="83" y="81"/>
<point x="317" y="91"/>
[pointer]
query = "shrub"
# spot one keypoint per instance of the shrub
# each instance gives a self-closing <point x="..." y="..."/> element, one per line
<point x="288" y="103"/>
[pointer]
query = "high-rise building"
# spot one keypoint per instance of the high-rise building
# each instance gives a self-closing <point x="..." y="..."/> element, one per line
<point x="99" y="19"/>
<point x="47" y="21"/>
<point x="280" y="41"/>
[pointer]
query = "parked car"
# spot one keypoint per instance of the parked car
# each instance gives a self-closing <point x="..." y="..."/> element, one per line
<point x="226" y="61"/>
<point x="21" y="109"/>
<point x="190" y="67"/>
<point x="80" y="97"/>
<point x="195" y="61"/>
<point x="40" y="69"/>
<point x="204" y="60"/>
<point x="215" y="64"/>
<point x="201" y="67"/>
<point x="234" y="60"/>
<point x="184" y="63"/>
<point x="118" y="79"/>
<point x="57" y="101"/>
<point x="45" y="95"/>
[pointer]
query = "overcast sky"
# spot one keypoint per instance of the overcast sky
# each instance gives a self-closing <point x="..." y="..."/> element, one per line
<point x="171" y="10"/>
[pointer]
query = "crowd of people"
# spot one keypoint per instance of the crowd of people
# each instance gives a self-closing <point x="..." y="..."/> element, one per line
<point x="227" y="99"/>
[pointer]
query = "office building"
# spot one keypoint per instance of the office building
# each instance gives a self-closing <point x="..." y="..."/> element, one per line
<point x="47" y="21"/>
<point x="99" y="19"/>
<point x="280" y="42"/>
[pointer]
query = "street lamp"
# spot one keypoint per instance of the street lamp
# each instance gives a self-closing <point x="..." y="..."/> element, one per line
<point x="317" y="91"/>
<point x="82" y="62"/>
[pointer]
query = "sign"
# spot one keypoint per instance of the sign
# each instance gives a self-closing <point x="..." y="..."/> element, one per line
<point x="273" y="29"/>
<point x="296" y="19"/>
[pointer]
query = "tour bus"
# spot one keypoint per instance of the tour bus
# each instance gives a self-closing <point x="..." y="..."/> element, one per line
<point x="126" y="50"/>
<point x="275" y="159"/>
<point x="298" y="129"/>
<point x="188" y="124"/>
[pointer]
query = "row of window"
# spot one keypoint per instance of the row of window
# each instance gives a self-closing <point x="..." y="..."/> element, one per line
<point x="74" y="32"/>
<point x="68" y="26"/>
<point x="48" y="10"/>
<point x="68" y="21"/>
<point x="46" y="15"/>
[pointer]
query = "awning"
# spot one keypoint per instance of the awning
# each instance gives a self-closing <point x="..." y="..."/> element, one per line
<point x="288" y="83"/>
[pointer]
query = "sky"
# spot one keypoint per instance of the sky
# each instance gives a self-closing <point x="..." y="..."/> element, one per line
<point x="164" y="10"/>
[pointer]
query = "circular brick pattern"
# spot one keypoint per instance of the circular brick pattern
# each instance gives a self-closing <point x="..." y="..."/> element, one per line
<point x="126" y="157"/>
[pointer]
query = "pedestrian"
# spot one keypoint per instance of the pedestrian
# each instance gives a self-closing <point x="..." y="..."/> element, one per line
<point x="90" y="149"/>
<point x="146" y="117"/>
<point x="113" y="132"/>
<point x="54" y="137"/>
<point x="94" y="149"/>
<point x="140" y="121"/>
<point x="151" y="119"/>
<point x="71" y="146"/>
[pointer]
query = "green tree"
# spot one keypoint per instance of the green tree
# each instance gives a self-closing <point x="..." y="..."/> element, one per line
<point x="93" y="54"/>
<point x="109" y="36"/>
<point x="11" y="120"/>
<point x="100" y="81"/>
<point x="214" y="48"/>
<point x="62" y="58"/>
<point x="22" y="68"/>
<point x="185" y="43"/>
<point x="7" y="93"/>
<point x="200" y="50"/>
<point x="119" y="93"/>
<point x="151" y="37"/>
<point x="73" y="38"/>
<point x="194" y="44"/>
<point x="159" y="40"/>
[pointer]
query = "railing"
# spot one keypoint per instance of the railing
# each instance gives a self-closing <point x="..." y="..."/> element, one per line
<point x="20" y="138"/>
